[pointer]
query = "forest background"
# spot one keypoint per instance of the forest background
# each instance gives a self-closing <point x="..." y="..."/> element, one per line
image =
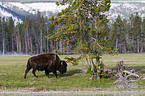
<point x="30" y="37"/>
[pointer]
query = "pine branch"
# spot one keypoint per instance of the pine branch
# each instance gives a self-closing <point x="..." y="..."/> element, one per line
<point x="96" y="42"/>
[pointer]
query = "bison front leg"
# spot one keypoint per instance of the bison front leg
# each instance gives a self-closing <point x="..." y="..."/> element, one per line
<point x="54" y="71"/>
<point x="33" y="71"/>
<point x="47" y="73"/>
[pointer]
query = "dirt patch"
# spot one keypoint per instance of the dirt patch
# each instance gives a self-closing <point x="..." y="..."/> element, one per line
<point x="74" y="93"/>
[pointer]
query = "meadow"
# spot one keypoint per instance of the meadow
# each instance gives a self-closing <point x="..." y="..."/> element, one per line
<point x="12" y="70"/>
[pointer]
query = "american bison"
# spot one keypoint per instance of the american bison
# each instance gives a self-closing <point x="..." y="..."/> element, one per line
<point x="48" y="62"/>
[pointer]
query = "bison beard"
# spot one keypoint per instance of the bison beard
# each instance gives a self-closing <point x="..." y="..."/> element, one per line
<point x="46" y="62"/>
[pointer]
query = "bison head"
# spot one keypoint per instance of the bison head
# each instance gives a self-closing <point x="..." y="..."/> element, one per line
<point x="62" y="67"/>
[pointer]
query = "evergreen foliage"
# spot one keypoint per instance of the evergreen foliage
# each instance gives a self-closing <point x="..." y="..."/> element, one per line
<point x="27" y="37"/>
<point x="74" y="61"/>
<point x="31" y="36"/>
<point x="128" y="36"/>
<point x="82" y="27"/>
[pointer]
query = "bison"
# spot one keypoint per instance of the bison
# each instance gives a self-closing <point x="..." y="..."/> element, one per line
<point x="48" y="62"/>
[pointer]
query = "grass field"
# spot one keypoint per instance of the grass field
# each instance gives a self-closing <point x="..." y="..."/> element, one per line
<point x="12" y="70"/>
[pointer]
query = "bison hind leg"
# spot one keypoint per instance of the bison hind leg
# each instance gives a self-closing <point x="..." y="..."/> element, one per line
<point x="26" y="71"/>
<point x="33" y="71"/>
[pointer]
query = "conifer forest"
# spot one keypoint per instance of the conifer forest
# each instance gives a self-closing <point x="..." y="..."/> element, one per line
<point x="32" y="36"/>
<point x="28" y="37"/>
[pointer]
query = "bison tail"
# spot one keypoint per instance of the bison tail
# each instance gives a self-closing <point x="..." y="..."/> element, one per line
<point x="28" y="65"/>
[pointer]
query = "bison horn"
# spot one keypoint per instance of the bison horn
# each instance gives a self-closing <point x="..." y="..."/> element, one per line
<point x="61" y="62"/>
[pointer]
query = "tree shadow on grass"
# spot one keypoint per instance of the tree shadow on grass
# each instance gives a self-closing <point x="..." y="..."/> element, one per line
<point x="73" y="72"/>
<point x="68" y="73"/>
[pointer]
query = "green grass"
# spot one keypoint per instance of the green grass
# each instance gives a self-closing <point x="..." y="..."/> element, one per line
<point x="132" y="59"/>
<point x="12" y="70"/>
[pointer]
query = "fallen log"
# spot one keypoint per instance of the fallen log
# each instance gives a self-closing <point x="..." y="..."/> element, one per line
<point x="127" y="77"/>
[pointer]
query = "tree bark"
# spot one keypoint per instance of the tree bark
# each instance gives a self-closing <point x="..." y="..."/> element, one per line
<point x="3" y="46"/>
<point x="41" y="48"/>
<point x="26" y="42"/>
<point x="116" y="43"/>
<point x="137" y="45"/>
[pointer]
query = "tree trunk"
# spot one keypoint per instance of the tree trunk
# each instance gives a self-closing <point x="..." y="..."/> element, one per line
<point x="18" y="41"/>
<point x="134" y="45"/>
<point x="37" y="48"/>
<point x="44" y="44"/>
<point x="20" y="50"/>
<point x="3" y="46"/>
<point x="137" y="45"/>
<point x="142" y="47"/>
<point x="47" y="42"/>
<point x="116" y="43"/>
<point x="60" y="46"/>
<point x="51" y="45"/>
<point x="26" y="42"/>
<point x="124" y="48"/>
<point x="57" y="45"/>
<point x="41" y="48"/>
<point x="12" y="45"/>
<point x="31" y="46"/>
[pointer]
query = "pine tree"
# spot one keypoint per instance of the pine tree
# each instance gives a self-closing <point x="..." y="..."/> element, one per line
<point x="5" y="36"/>
<point x="113" y="39"/>
<point x="1" y="34"/>
<point x="117" y="34"/>
<point x="11" y="34"/>
<point x="131" y="33"/>
<point x="128" y="37"/>
<point x="124" y="36"/>
<point x="137" y="31"/>
<point x="33" y="38"/>
<point x="143" y="36"/>
<point x="17" y="33"/>
<point x="82" y="27"/>
<point x="50" y="31"/>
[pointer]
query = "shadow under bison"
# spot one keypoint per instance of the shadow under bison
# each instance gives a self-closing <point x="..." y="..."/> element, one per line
<point x="69" y="73"/>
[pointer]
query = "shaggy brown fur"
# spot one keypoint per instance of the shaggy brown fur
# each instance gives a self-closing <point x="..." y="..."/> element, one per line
<point x="48" y="62"/>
